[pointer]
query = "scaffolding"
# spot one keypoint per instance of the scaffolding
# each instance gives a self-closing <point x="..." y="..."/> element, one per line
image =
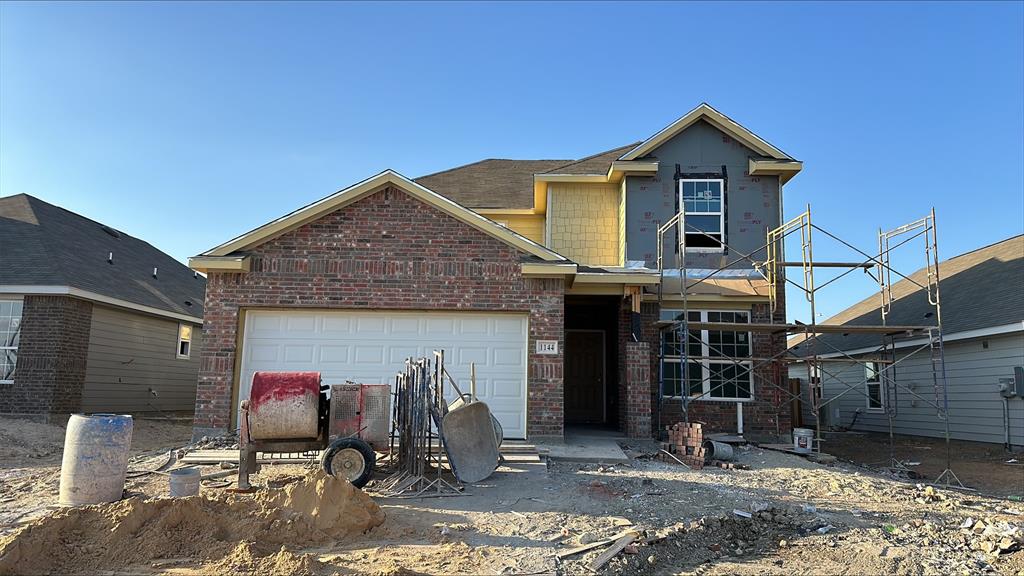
<point x="683" y="334"/>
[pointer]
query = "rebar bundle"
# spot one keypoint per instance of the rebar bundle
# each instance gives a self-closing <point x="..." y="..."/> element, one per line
<point x="416" y="439"/>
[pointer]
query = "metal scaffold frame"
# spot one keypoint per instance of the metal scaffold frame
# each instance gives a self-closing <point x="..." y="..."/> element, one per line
<point x="772" y="370"/>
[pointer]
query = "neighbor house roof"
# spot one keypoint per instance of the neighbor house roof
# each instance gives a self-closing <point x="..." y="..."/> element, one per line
<point x="978" y="290"/>
<point x="232" y="254"/>
<point x="47" y="249"/>
<point x="492" y="183"/>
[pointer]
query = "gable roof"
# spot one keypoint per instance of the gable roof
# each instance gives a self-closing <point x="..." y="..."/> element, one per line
<point x="47" y="246"/>
<point x="706" y="112"/>
<point x="492" y="183"/>
<point x="979" y="289"/>
<point x="234" y="249"/>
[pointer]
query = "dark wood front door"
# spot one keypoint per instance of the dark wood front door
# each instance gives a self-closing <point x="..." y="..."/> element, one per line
<point x="584" y="377"/>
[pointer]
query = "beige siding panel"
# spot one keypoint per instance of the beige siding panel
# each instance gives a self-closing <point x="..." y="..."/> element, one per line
<point x="584" y="222"/>
<point x="529" y="225"/>
<point x="130" y="357"/>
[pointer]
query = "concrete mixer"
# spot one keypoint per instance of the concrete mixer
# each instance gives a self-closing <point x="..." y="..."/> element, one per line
<point x="292" y="412"/>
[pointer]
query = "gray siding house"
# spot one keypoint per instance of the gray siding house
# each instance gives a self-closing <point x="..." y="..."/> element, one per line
<point x="983" y="332"/>
<point x="92" y="319"/>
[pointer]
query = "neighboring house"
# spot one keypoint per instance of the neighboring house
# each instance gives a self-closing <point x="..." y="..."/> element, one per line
<point x="91" y="319"/>
<point x="982" y="305"/>
<point x="542" y="272"/>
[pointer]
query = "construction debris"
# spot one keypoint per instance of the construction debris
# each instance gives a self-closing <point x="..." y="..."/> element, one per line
<point x="685" y="445"/>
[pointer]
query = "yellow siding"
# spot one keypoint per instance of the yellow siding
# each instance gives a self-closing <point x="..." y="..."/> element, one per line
<point x="529" y="225"/>
<point x="584" y="222"/>
<point x="622" y="222"/>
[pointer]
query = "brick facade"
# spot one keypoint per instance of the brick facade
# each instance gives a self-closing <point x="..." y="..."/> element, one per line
<point x="52" y="353"/>
<point x="387" y="250"/>
<point x="766" y="416"/>
<point x="637" y="389"/>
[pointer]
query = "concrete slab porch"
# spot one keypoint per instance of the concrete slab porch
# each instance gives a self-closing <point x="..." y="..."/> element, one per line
<point x="586" y="446"/>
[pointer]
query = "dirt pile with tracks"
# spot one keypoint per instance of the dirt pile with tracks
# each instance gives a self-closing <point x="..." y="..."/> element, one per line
<point x="209" y="529"/>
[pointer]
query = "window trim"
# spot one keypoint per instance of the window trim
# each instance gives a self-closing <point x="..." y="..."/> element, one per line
<point x="872" y="367"/>
<point x="177" y="350"/>
<point x="15" y="348"/>
<point x="720" y="213"/>
<point x="706" y="364"/>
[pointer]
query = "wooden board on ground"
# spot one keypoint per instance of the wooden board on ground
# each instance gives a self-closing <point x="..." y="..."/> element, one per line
<point x="614" y="550"/>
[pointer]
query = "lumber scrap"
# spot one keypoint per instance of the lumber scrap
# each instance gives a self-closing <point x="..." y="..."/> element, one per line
<point x="592" y="545"/>
<point x="614" y="550"/>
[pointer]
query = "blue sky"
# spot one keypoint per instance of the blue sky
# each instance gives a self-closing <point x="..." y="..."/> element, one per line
<point x="186" y="124"/>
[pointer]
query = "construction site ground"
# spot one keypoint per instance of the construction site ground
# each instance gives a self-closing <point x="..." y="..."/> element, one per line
<point x="805" y="518"/>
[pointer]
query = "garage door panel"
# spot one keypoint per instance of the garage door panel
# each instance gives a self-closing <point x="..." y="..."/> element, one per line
<point x="474" y="326"/>
<point x="299" y="353"/>
<point x="405" y="326"/>
<point x="301" y="324"/>
<point x="371" y="347"/>
<point x="335" y="354"/>
<point x="508" y="357"/>
<point x="336" y="326"/>
<point x="508" y="326"/>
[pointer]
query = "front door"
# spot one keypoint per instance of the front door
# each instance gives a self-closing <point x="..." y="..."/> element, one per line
<point x="584" y="377"/>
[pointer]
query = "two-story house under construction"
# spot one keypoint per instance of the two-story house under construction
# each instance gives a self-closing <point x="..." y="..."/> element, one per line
<point x="547" y="274"/>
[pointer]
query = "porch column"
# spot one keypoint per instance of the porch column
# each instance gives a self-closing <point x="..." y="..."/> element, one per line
<point x="638" y="390"/>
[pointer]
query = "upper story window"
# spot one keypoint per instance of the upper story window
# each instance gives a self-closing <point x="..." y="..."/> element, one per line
<point x="703" y="202"/>
<point x="10" y="334"/>
<point x="184" y="340"/>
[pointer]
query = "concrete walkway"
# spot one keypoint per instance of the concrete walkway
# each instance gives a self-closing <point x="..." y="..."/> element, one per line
<point x="586" y="446"/>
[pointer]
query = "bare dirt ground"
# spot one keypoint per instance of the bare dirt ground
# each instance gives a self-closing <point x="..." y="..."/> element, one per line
<point x="986" y="467"/>
<point x="806" y="518"/>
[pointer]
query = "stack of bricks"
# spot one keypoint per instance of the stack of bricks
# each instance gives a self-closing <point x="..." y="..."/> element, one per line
<point x="686" y="442"/>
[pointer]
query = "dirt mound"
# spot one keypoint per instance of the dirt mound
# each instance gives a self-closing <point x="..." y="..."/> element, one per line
<point x="205" y="529"/>
<point x="245" y="559"/>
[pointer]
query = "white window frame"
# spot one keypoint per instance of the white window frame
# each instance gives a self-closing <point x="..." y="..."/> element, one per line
<point x="4" y="348"/>
<point x="191" y="332"/>
<point x="869" y="368"/>
<point x="706" y="363"/>
<point x="720" y="213"/>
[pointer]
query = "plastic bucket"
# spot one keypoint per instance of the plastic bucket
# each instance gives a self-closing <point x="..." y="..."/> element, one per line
<point x="184" y="482"/>
<point x="803" y="440"/>
<point x="95" y="461"/>
<point x="717" y="451"/>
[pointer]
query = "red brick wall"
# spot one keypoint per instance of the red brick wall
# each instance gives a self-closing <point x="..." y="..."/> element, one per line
<point x="638" y="396"/>
<point x="387" y="251"/>
<point x="52" y="352"/>
<point x="767" y="415"/>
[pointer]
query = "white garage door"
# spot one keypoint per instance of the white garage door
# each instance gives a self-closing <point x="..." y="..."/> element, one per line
<point x="371" y="347"/>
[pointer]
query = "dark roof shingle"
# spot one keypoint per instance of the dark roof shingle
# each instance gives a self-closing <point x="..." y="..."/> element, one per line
<point x="45" y="245"/>
<point x="492" y="183"/>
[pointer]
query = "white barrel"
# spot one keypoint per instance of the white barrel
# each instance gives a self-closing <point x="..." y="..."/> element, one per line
<point x="184" y="482"/>
<point x="96" y="448"/>
<point x="803" y="440"/>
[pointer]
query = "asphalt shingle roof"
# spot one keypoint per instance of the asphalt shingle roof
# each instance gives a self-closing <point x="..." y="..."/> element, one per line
<point x="45" y="245"/>
<point x="980" y="289"/>
<point x="492" y="183"/>
<point x="500" y="183"/>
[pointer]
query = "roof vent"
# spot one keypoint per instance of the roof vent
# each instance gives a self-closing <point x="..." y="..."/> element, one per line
<point x="110" y="258"/>
<point x="188" y="302"/>
<point x="154" y="272"/>
<point x="110" y="231"/>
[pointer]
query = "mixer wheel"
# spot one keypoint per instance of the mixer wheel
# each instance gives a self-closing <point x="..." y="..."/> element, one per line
<point x="351" y="459"/>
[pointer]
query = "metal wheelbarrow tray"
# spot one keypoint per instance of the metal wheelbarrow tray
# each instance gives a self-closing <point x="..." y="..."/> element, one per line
<point x="468" y="436"/>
